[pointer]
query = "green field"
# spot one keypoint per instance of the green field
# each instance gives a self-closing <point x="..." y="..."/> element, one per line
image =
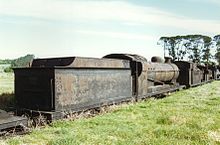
<point x="6" y="90"/>
<point x="187" y="117"/>
<point x="6" y="80"/>
<point x="6" y="83"/>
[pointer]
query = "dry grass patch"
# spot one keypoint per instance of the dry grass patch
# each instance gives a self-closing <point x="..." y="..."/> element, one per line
<point x="178" y="120"/>
<point x="215" y="135"/>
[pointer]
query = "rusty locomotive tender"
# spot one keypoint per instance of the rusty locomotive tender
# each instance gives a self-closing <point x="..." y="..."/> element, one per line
<point x="52" y="86"/>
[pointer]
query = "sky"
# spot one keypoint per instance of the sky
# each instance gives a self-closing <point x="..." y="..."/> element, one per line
<point x="94" y="28"/>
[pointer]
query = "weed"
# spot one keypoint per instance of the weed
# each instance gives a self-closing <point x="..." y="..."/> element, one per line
<point x="186" y="117"/>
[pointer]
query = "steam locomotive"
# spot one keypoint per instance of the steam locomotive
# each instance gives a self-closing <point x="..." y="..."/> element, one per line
<point x="53" y="85"/>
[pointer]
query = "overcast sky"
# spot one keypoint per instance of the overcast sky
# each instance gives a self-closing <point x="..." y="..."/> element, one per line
<point x="51" y="28"/>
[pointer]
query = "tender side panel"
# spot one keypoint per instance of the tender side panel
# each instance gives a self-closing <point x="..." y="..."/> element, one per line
<point x="84" y="88"/>
<point x="34" y="88"/>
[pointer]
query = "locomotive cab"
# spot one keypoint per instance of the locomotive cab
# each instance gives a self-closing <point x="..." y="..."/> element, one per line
<point x="139" y="68"/>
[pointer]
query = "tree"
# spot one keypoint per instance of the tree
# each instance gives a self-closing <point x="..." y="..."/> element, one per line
<point x="166" y="43"/>
<point x="193" y="47"/>
<point x="19" y="62"/>
<point x="8" y="70"/>
<point x="23" y="61"/>
<point x="216" y="39"/>
<point x="170" y="45"/>
<point x="206" y="56"/>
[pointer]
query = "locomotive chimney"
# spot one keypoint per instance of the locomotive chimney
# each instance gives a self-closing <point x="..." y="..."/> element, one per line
<point x="196" y="61"/>
<point x="168" y="59"/>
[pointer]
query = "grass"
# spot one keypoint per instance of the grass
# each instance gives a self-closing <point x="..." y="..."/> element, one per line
<point x="6" y="89"/>
<point x="187" y="117"/>
<point x="6" y="83"/>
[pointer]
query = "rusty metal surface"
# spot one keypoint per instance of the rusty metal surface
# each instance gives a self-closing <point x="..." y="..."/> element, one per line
<point x="207" y="74"/>
<point x="142" y="84"/>
<point x="56" y="88"/>
<point x="38" y="87"/>
<point x="163" y="89"/>
<point x="80" y="62"/>
<point x="34" y="88"/>
<point x="4" y="114"/>
<point x="185" y="73"/>
<point x="51" y="62"/>
<point x="9" y="121"/>
<point x="163" y="72"/>
<point x="214" y="69"/>
<point x="196" y="74"/>
<point x="100" y="63"/>
<point x="139" y="70"/>
<point x="89" y="87"/>
<point x="131" y="57"/>
<point x="157" y="59"/>
<point x="190" y="73"/>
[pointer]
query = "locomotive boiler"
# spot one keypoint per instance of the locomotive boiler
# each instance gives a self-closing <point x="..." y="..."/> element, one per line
<point x="150" y="78"/>
<point x="162" y="76"/>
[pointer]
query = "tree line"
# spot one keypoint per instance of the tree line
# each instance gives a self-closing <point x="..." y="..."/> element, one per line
<point x="200" y="48"/>
<point x="23" y="61"/>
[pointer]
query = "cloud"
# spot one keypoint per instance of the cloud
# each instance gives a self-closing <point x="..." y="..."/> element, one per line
<point x="117" y="35"/>
<point x="214" y="1"/>
<point x="84" y="10"/>
<point x="113" y="11"/>
<point x="206" y="1"/>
